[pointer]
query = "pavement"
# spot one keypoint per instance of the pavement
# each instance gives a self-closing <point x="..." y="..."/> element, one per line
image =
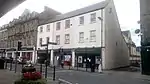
<point x="107" y="77"/>
<point x="8" y="77"/>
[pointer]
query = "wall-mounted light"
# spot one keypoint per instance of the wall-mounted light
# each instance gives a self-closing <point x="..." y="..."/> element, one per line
<point x="100" y="18"/>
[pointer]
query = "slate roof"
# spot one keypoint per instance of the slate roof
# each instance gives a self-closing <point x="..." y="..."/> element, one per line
<point x="126" y="33"/>
<point x="84" y="10"/>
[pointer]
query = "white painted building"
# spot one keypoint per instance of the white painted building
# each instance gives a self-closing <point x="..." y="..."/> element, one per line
<point x="85" y="35"/>
<point x="134" y="53"/>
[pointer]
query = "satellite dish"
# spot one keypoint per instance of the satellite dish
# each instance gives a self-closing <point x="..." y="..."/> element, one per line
<point x="137" y="31"/>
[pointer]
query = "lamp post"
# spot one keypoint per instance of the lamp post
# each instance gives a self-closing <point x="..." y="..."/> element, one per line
<point x="86" y="41"/>
<point x="102" y="39"/>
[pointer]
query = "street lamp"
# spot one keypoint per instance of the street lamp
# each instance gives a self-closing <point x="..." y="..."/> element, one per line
<point x="86" y="41"/>
<point x="102" y="44"/>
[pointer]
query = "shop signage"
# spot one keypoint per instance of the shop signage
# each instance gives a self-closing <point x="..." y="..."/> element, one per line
<point x="2" y="50"/>
<point x="26" y="49"/>
<point x="88" y="50"/>
<point x="11" y="49"/>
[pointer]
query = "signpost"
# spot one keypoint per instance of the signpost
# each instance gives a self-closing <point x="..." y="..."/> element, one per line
<point x="17" y="53"/>
<point x="47" y="60"/>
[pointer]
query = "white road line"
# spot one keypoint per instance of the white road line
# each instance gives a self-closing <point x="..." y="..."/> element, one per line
<point x="67" y="82"/>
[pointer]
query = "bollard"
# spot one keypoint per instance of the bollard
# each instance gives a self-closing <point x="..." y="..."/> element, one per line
<point x="46" y="69"/>
<point x="10" y="65"/>
<point x="6" y="64"/>
<point x="16" y="66"/>
<point x="54" y="73"/>
<point x="41" y="68"/>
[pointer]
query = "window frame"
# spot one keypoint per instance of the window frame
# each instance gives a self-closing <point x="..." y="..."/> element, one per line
<point x="67" y="23"/>
<point x="93" y="36"/>
<point x="48" y="28"/>
<point x="58" y="25"/>
<point x="41" y="29"/>
<point x="93" y="17"/>
<point x="67" y="39"/>
<point x="81" y="37"/>
<point x="81" y="20"/>
<point x="58" y="40"/>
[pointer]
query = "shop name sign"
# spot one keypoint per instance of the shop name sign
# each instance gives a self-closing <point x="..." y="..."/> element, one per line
<point x="2" y="50"/>
<point x="25" y="48"/>
<point x="11" y="49"/>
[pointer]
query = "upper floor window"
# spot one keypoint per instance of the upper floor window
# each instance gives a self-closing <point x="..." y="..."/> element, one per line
<point x="58" y="25"/>
<point x="48" y="28"/>
<point x="93" y="17"/>
<point x="40" y="41"/>
<point x="47" y="39"/>
<point x="58" y="39"/>
<point x="67" y="38"/>
<point x="92" y="35"/>
<point x="81" y="37"/>
<point x="81" y="20"/>
<point x="67" y="24"/>
<point x="41" y="29"/>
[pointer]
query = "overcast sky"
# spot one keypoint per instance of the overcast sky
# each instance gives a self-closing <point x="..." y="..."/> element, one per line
<point x="127" y="10"/>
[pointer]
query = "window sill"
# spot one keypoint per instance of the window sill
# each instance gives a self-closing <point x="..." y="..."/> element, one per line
<point x="92" y="22"/>
<point x="92" y="41"/>
<point x="80" y="42"/>
<point x="80" y="24"/>
<point x="67" y="28"/>
<point x="67" y="43"/>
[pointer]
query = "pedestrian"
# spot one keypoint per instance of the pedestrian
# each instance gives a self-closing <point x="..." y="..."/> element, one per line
<point x="62" y="64"/>
<point x="100" y="67"/>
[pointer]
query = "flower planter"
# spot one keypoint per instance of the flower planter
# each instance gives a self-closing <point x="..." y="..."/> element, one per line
<point x="30" y="76"/>
<point x="28" y="69"/>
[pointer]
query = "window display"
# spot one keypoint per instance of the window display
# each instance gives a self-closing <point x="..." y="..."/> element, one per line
<point x="79" y="59"/>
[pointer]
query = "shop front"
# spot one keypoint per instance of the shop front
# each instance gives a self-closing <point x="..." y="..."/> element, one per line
<point x="28" y="54"/>
<point x="25" y="54"/>
<point x="42" y="56"/>
<point x="10" y="53"/>
<point x="63" y="55"/>
<point x="87" y="57"/>
<point x="2" y="52"/>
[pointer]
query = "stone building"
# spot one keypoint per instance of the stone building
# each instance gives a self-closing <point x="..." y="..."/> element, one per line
<point x="134" y="53"/>
<point x="24" y="29"/>
<point x="3" y="41"/>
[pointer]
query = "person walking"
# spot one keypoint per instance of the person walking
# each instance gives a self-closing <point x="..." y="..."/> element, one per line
<point x="62" y="64"/>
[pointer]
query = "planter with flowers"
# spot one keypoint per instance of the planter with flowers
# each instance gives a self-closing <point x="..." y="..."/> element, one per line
<point x="30" y="76"/>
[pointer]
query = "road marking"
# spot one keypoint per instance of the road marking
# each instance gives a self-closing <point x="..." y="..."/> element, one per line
<point x="64" y="81"/>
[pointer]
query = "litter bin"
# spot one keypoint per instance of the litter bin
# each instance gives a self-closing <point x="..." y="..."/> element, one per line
<point x="2" y="63"/>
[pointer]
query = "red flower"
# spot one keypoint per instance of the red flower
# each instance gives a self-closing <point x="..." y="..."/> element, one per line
<point x="32" y="76"/>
